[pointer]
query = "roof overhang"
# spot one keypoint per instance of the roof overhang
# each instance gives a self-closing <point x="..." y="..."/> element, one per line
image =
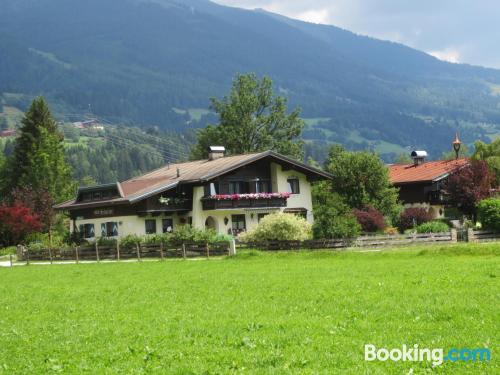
<point x="301" y="166"/>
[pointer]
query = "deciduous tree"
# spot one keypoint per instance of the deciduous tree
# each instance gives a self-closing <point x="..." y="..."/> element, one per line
<point x="252" y="119"/>
<point x="470" y="185"/>
<point x="362" y="180"/>
<point x="16" y="222"/>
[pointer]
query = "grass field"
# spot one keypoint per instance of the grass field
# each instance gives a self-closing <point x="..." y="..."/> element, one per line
<point x="300" y="313"/>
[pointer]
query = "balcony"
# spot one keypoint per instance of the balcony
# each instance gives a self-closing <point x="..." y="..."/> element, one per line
<point x="437" y="197"/>
<point x="242" y="201"/>
<point x="164" y="205"/>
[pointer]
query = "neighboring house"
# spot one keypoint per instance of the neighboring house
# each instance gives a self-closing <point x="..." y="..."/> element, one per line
<point x="8" y="133"/>
<point x="423" y="184"/>
<point x="89" y="124"/>
<point x="227" y="193"/>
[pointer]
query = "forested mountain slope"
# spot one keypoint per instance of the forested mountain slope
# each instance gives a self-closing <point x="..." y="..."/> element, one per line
<point x="156" y="62"/>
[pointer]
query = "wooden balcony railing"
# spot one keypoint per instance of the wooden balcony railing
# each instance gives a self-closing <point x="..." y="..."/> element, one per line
<point x="245" y="201"/>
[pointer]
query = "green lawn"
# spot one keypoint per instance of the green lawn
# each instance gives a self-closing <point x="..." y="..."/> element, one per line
<point x="309" y="312"/>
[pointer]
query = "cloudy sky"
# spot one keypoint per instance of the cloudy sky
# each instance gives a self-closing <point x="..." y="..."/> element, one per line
<point x="466" y="31"/>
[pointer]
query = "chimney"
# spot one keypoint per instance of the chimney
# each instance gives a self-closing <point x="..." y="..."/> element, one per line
<point x="216" y="152"/>
<point x="178" y="173"/>
<point x="418" y="157"/>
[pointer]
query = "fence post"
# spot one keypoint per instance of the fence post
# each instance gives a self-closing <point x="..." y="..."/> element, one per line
<point x="207" y="249"/>
<point x="138" y="250"/>
<point x="453" y="234"/>
<point x="470" y="235"/>
<point x="117" y="249"/>
<point x="77" y="257"/>
<point x="50" y="255"/>
<point x="10" y="258"/>
<point x="19" y="252"/>
<point x="97" y="251"/>
<point x="27" y="256"/>
<point x="232" y="247"/>
<point x="184" y="250"/>
<point x="161" y="250"/>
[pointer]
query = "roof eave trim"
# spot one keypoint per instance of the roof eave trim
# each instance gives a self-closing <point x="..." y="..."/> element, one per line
<point x="150" y="193"/>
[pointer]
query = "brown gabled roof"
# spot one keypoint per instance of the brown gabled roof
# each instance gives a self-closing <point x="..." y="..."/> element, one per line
<point x="426" y="172"/>
<point x="166" y="178"/>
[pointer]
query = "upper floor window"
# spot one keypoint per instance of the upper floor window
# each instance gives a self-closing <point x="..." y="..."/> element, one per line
<point x="211" y="189"/>
<point x="150" y="226"/>
<point x="262" y="186"/>
<point x="238" y="187"/>
<point x="293" y="185"/>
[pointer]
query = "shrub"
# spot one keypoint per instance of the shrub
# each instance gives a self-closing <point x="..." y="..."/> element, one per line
<point x="186" y="233"/>
<point x="131" y="240"/>
<point x="413" y="216"/>
<point x="489" y="213"/>
<point x="16" y="223"/>
<point x="433" y="227"/>
<point x="391" y="230"/>
<point x="8" y="250"/>
<point x="41" y="240"/>
<point x="106" y="241"/>
<point x="280" y="227"/>
<point x="370" y="219"/>
<point x="345" y="226"/>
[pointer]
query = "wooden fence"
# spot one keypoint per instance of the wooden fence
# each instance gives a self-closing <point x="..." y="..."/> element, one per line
<point x="482" y="236"/>
<point x="116" y="252"/>
<point x="369" y="241"/>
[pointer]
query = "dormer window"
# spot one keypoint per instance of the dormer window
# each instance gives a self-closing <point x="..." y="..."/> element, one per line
<point x="98" y="193"/>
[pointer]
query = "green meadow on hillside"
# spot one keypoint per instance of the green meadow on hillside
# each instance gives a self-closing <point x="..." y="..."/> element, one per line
<point x="303" y="313"/>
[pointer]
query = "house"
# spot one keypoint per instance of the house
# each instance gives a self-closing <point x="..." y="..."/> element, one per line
<point x="92" y="124"/>
<point x="229" y="194"/>
<point x="423" y="183"/>
<point x="8" y="133"/>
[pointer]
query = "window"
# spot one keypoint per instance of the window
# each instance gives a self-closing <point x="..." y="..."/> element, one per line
<point x="293" y="185"/>
<point x="87" y="230"/>
<point x="167" y="225"/>
<point x="150" y="226"/>
<point x="261" y="216"/>
<point x="109" y="229"/>
<point x="211" y="189"/>
<point x="238" y="223"/>
<point x="262" y="187"/>
<point x="238" y="187"/>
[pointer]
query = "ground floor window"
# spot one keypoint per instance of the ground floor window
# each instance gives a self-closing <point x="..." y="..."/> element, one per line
<point x="167" y="225"/>
<point x="87" y="230"/>
<point x="238" y="223"/>
<point x="109" y="229"/>
<point x="261" y="216"/>
<point x="150" y="226"/>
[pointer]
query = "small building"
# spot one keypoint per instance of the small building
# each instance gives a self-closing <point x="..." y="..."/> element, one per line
<point x="8" y="133"/>
<point x="92" y="124"/>
<point x="423" y="183"/>
<point x="229" y="194"/>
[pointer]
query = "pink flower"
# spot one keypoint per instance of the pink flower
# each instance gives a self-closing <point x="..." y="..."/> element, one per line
<point x="233" y="197"/>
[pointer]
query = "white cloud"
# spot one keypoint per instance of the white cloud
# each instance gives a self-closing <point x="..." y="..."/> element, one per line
<point x="448" y="54"/>
<point x="454" y="30"/>
<point x="315" y="16"/>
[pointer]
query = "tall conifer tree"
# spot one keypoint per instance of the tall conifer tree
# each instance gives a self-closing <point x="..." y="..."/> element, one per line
<point x="38" y="158"/>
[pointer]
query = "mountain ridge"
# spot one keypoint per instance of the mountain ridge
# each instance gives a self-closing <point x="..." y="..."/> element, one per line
<point x="136" y="61"/>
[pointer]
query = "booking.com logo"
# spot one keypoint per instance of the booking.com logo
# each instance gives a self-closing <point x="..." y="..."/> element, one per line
<point x="416" y="354"/>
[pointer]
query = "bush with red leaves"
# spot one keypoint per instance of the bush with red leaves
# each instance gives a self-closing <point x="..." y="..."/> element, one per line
<point x="370" y="219"/>
<point x="470" y="185"/>
<point x="412" y="217"/>
<point x="16" y="222"/>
